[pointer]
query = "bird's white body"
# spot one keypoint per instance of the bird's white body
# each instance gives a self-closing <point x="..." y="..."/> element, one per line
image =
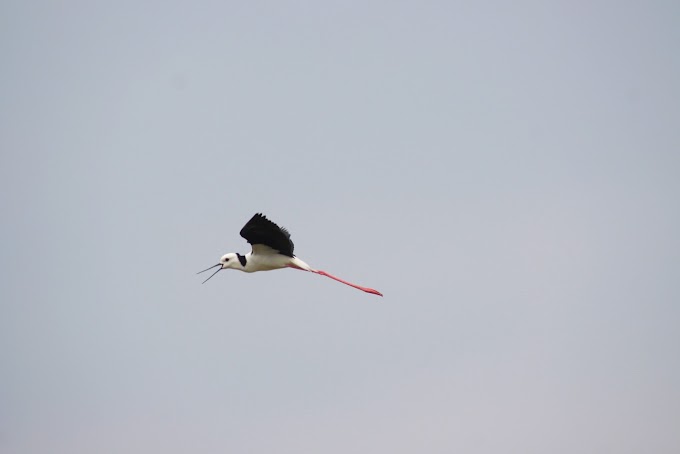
<point x="262" y="258"/>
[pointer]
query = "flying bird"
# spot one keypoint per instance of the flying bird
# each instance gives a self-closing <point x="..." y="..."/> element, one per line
<point x="272" y="249"/>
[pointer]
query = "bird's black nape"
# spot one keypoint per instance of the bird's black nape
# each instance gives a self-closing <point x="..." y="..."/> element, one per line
<point x="260" y="230"/>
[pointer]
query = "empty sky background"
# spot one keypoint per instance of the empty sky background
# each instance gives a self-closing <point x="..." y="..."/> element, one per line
<point x="506" y="173"/>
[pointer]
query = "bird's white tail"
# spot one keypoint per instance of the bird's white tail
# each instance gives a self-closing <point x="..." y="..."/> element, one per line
<point x="299" y="264"/>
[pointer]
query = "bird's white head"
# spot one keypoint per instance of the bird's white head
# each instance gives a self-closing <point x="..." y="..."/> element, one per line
<point x="230" y="260"/>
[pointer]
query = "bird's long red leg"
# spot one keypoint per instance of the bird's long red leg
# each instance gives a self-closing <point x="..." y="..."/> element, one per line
<point x="323" y="273"/>
<point x="365" y="289"/>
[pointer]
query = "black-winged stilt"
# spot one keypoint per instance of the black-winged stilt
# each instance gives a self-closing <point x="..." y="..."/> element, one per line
<point x="272" y="250"/>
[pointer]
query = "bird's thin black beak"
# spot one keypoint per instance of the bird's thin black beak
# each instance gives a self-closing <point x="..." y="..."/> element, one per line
<point x="218" y="270"/>
<point x="219" y="264"/>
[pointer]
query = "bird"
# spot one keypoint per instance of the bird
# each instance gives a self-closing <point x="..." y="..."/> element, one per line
<point x="272" y="249"/>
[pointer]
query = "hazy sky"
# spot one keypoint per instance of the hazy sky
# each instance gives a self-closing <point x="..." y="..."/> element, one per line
<point x="506" y="173"/>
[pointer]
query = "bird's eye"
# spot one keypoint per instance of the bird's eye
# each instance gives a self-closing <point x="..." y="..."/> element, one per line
<point x="226" y="260"/>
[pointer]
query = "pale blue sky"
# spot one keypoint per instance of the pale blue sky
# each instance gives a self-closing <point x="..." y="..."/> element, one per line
<point x="506" y="173"/>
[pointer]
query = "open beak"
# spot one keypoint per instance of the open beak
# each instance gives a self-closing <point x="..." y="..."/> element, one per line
<point x="219" y="264"/>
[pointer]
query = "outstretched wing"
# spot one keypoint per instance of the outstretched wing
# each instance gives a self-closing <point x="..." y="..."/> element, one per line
<point x="260" y="230"/>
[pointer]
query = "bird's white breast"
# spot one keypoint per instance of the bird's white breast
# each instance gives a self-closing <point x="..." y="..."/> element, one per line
<point x="265" y="262"/>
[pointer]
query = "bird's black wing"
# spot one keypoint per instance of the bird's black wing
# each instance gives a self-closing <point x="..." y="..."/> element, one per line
<point x="260" y="230"/>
